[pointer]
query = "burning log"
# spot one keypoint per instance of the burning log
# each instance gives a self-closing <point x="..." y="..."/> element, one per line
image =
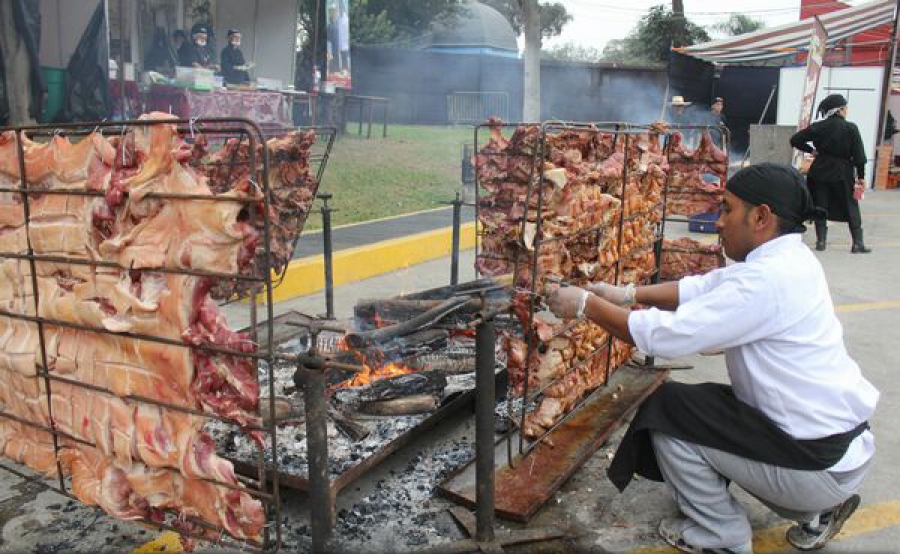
<point x="382" y="312"/>
<point x="399" y="348"/>
<point x="422" y="321"/>
<point x="411" y="384"/>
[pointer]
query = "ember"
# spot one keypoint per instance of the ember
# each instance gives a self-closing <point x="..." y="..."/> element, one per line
<point x="370" y="375"/>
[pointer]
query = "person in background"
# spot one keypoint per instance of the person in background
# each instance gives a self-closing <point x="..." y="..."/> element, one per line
<point x="160" y="58"/>
<point x="234" y="66"/>
<point x="716" y="114"/>
<point x="678" y="114"/>
<point x="198" y="53"/>
<point x="180" y="45"/>
<point x="839" y="153"/>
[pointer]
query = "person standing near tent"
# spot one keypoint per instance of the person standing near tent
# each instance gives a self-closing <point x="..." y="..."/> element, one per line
<point x="234" y="66"/>
<point x="198" y="53"/>
<point x="716" y="113"/>
<point x="839" y="153"/>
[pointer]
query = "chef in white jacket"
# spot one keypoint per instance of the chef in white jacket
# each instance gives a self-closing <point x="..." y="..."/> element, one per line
<point x="792" y="428"/>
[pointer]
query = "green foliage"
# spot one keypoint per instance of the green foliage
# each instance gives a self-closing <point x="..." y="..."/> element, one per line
<point x="571" y="52"/>
<point x="653" y="37"/>
<point x="553" y="15"/>
<point x="738" y="24"/>
<point x="414" y="168"/>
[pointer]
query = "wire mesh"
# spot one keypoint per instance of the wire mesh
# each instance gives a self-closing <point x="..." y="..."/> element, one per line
<point x="265" y="487"/>
<point x="524" y="258"/>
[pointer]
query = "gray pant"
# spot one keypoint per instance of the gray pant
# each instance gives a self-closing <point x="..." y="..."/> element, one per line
<point x="698" y="478"/>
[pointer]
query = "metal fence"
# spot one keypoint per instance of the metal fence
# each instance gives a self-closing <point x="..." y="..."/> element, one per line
<point x="476" y="107"/>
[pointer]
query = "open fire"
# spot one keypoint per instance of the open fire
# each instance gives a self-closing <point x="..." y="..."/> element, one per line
<point x="370" y="375"/>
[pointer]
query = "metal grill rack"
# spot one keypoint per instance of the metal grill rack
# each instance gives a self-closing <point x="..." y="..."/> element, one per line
<point x="668" y="217"/>
<point x="525" y="262"/>
<point x="264" y="486"/>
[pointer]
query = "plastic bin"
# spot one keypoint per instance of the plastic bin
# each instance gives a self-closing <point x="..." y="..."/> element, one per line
<point x="703" y="223"/>
<point x="55" y="79"/>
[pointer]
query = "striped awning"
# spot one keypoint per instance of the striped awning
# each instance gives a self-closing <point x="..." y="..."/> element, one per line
<point x="787" y="39"/>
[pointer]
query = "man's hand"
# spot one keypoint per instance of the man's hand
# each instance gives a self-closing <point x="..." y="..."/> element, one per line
<point x="620" y="296"/>
<point x="568" y="302"/>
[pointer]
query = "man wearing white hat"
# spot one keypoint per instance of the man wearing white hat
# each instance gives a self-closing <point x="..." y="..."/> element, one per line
<point x="678" y="111"/>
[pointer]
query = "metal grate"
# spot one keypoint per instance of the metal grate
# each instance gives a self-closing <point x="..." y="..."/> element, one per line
<point x="475" y="107"/>
<point x="264" y="487"/>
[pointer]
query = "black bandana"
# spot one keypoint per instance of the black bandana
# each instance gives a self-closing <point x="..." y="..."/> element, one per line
<point x="780" y="187"/>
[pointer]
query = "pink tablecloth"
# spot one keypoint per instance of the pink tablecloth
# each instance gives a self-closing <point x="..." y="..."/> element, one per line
<point x="265" y="108"/>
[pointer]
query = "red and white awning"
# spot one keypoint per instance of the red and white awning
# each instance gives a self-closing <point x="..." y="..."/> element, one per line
<point x="787" y="39"/>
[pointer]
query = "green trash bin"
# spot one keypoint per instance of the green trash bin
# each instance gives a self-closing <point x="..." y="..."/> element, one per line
<point x="55" y="80"/>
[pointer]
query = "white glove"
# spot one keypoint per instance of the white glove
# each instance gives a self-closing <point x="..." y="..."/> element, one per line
<point x="620" y="296"/>
<point x="568" y="302"/>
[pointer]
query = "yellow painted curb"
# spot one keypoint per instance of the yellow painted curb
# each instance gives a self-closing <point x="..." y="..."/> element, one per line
<point x="165" y="542"/>
<point x="867" y="306"/>
<point x="867" y="519"/>
<point x="307" y="275"/>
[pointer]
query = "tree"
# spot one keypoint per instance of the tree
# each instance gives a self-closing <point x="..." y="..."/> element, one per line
<point x="738" y="24"/>
<point x="654" y="36"/>
<point x="371" y="22"/>
<point x="553" y="15"/>
<point x="571" y="52"/>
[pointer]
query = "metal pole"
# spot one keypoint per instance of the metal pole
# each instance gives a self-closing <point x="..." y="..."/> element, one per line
<point x="321" y="501"/>
<point x="886" y="85"/>
<point x="122" y="58"/>
<point x="454" y="254"/>
<point x="329" y="254"/>
<point x="484" y="431"/>
<point x="315" y="63"/>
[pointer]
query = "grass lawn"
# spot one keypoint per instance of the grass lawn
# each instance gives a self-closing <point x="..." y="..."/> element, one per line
<point x="413" y="169"/>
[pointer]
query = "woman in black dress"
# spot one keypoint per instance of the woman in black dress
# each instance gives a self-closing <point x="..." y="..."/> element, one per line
<point x="838" y="170"/>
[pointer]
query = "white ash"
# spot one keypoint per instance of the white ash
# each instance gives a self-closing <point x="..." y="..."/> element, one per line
<point x="343" y="453"/>
<point x="401" y="509"/>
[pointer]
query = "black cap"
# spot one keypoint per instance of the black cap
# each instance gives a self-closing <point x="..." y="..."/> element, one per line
<point x="234" y="32"/>
<point x="781" y="187"/>
<point x="718" y="99"/>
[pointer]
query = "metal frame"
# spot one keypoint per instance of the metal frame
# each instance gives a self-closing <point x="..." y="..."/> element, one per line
<point x="725" y="135"/>
<point x="265" y="487"/>
<point x="620" y="131"/>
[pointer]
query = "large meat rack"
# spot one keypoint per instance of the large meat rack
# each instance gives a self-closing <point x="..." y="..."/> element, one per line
<point x="529" y="160"/>
<point x="264" y="486"/>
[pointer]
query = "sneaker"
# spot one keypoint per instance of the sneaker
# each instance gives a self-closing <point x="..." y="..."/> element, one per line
<point x="807" y="537"/>
<point x="672" y="529"/>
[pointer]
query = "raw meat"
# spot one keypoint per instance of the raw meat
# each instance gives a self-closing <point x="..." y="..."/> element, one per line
<point x="134" y="491"/>
<point x="686" y="256"/>
<point x="145" y="458"/>
<point x="293" y="190"/>
<point x="595" y="218"/>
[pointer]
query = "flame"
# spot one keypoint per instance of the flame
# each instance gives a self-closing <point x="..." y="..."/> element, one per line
<point x="370" y="375"/>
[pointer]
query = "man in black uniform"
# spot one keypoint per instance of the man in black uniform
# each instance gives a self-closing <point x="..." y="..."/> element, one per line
<point x="234" y="66"/>
<point x="839" y="154"/>
<point x="198" y="53"/>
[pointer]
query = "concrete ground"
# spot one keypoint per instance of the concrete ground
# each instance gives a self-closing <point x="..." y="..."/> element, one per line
<point x="595" y="517"/>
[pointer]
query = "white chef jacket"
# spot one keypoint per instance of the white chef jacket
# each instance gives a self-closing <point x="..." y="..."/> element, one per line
<point x="783" y="344"/>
